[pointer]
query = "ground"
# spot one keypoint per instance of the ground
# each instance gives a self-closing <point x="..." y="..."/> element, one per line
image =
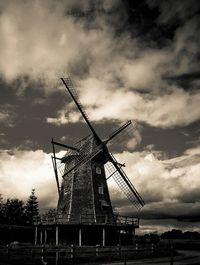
<point x="186" y="257"/>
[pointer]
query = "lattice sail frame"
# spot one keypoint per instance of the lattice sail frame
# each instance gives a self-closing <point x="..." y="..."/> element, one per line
<point x="123" y="185"/>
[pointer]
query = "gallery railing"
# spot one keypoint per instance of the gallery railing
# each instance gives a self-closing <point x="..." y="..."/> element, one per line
<point x="87" y="219"/>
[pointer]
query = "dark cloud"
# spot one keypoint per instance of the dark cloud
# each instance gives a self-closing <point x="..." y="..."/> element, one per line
<point x="189" y="81"/>
<point x="175" y="12"/>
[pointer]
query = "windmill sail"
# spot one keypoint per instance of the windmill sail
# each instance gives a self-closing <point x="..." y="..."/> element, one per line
<point x="68" y="84"/>
<point x="124" y="183"/>
<point x="128" y="136"/>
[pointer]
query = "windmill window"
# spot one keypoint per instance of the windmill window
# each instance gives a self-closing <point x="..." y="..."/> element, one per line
<point x="101" y="191"/>
<point x="104" y="204"/>
<point x="98" y="170"/>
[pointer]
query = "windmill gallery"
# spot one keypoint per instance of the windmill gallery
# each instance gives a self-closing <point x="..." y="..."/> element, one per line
<point x="84" y="212"/>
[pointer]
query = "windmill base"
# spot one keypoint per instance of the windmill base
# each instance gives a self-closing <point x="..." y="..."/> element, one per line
<point x="91" y="234"/>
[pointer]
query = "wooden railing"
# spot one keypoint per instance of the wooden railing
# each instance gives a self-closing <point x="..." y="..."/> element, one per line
<point x="85" y="219"/>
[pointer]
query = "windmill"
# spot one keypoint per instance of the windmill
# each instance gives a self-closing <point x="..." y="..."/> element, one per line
<point x="84" y="190"/>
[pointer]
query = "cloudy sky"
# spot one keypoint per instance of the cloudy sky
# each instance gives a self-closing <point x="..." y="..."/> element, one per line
<point x="135" y="60"/>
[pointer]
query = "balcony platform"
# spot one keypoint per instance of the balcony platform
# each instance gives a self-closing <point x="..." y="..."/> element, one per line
<point x="85" y="230"/>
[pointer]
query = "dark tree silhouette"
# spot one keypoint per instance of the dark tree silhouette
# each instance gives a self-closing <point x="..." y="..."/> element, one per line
<point x="2" y="215"/>
<point x="154" y="238"/>
<point x="14" y="211"/>
<point x="50" y="214"/>
<point x="173" y="234"/>
<point x="31" y="208"/>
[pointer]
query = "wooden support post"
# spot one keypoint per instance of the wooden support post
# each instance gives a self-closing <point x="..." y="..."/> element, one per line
<point x="56" y="235"/>
<point x="80" y="237"/>
<point x="103" y="237"/>
<point x="45" y="236"/>
<point x="36" y="232"/>
<point x="41" y="236"/>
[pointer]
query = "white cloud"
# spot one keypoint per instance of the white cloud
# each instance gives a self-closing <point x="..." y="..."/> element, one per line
<point x="161" y="110"/>
<point x="163" y="188"/>
<point x="22" y="171"/>
<point x="165" y="185"/>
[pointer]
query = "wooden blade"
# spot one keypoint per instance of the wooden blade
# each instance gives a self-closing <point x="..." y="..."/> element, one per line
<point x="64" y="145"/>
<point x="123" y="182"/>
<point x="55" y="167"/>
<point x="119" y="130"/>
<point x="68" y="84"/>
<point x="126" y="135"/>
<point x="56" y="174"/>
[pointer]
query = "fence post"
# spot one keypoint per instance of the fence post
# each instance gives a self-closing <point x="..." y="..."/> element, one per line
<point x="119" y="251"/>
<point x="73" y="254"/>
<point x="8" y="252"/>
<point x="57" y="257"/>
<point x="97" y="250"/>
<point x="172" y="255"/>
<point x="152" y="248"/>
<point x="136" y="248"/>
<point x="125" y="260"/>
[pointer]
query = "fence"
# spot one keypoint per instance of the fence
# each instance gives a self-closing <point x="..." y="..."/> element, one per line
<point x="74" y="254"/>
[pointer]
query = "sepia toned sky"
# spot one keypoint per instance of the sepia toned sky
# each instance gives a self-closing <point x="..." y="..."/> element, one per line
<point x="129" y="60"/>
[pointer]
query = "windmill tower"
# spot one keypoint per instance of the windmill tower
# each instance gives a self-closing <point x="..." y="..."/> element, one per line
<point x="84" y="189"/>
<point x="84" y="201"/>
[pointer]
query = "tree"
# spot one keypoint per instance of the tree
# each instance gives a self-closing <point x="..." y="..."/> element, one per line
<point x="154" y="238"/>
<point x="1" y="209"/>
<point x="50" y="214"/>
<point x="31" y="208"/>
<point x="14" y="211"/>
<point x="173" y="234"/>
